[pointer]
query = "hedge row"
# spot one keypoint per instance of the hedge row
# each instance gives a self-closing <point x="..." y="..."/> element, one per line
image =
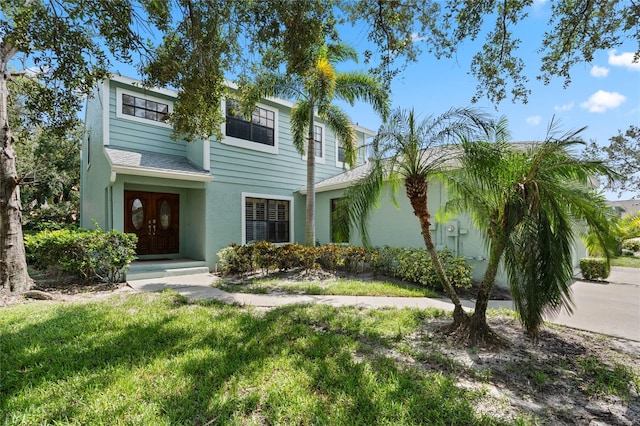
<point x="90" y="255"/>
<point x="594" y="268"/>
<point x="410" y="264"/>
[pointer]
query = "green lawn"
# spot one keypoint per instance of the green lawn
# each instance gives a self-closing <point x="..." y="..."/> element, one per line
<point x="154" y="359"/>
<point x="627" y="261"/>
<point x="341" y="286"/>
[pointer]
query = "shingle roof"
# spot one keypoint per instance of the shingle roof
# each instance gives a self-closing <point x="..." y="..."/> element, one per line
<point x="153" y="162"/>
<point x="343" y="180"/>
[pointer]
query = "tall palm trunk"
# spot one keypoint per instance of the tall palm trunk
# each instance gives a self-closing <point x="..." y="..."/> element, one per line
<point x="310" y="225"/>
<point x="13" y="265"/>
<point x="417" y="190"/>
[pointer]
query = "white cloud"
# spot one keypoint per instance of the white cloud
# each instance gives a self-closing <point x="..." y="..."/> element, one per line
<point x="534" y="120"/>
<point x="597" y="71"/>
<point x="565" y="107"/>
<point x="624" y="59"/>
<point x="416" y="38"/>
<point x="539" y="3"/>
<point x="602" y="101"/>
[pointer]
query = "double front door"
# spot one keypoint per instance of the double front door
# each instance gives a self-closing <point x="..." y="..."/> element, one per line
<point x="154" y="218"/>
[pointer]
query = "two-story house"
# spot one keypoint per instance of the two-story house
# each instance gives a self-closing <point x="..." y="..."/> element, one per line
<point x="188" y="200"/>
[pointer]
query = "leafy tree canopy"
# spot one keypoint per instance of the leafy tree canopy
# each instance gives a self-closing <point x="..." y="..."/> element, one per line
<point x="623" y="155"/>
<point x="576" y="30"/>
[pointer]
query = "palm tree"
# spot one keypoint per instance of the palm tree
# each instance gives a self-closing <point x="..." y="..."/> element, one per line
<point x="314" y="93"/>
<point x="408" y="153"/>
<point x="528" y="201"/>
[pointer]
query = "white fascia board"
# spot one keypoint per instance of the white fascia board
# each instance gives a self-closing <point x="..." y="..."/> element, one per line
<point x="367" y="132"/>
<point x="105" y="113"/>
<point x="137" y="83"/>
<point x="137" y="171"/>
<point x="341" y="185"/>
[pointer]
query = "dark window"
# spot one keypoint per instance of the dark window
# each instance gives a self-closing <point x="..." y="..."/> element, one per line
<point x="267" y="220"/>
<point x="340" y="154"/>
<point x="317" y="137"/>
<point x="142" y="108"/>
<point x="259" y="128"/>
<point x="334" y="209"/>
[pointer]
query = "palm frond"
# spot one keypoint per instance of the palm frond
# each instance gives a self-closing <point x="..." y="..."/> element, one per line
<point x="340" y="123"/>
<point x="269" y="84"/>
<point x="299" y="122"/>
<point x="358" y="201"/>
<point x="358" y="86"/>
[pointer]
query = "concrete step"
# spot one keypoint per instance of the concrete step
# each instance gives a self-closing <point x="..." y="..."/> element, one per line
<point x="165" y="268"/>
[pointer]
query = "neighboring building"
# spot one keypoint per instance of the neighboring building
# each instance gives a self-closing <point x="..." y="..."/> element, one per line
<point x="188" y="200"/>
<point x="625" y="207"/>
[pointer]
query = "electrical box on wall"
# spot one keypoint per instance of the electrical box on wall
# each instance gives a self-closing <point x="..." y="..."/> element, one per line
<point x="452" y="228"/>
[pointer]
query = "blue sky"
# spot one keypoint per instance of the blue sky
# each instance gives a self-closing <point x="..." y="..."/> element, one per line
<point x="603" y="95"/>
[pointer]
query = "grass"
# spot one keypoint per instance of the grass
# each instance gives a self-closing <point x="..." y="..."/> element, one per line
<point x="626" y="261"/>
<point x="158" y="359"/>
<point x="155" y="359"/>
<point x="341" y="286"/>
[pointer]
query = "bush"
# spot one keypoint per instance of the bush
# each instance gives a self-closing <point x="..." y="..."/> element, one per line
<point x="409" y="264"/>
<point x="414" y="265"/>
<point x="593" y="268"/>
<point x="53" y="217"/>
<point x="632" y="245"/>
<point x="90" y="255"/>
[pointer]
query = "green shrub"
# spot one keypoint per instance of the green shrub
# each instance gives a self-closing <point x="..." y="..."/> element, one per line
<point x="409" y="264"/>
<point x="265" y="256"/>
<point x="414" y="265"/>
<point x="90" y="255"/>
<point x="631" y="245"/>
<point x="594" y="268"/>
<point x="50" y="218"/>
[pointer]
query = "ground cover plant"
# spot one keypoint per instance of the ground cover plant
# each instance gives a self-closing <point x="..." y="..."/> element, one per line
<point x="629" y="262"/>
<point x="157" y="359"/>
<point x="332" y="285"/>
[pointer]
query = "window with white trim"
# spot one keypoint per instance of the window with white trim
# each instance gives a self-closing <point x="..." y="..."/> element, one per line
<point x="267" y="220"/>
<point x="340" y="154"/>
<point x="259" y="128"/>
<point x="334" y="211"/>
<point x="317" y="138"/>
<point x="144" y="108"/>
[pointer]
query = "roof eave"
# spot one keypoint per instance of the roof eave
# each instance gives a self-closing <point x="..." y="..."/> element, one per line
<point x="165" y="174"/>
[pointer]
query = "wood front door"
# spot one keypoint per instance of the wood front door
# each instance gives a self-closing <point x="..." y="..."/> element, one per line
<point x="154" y="217"/>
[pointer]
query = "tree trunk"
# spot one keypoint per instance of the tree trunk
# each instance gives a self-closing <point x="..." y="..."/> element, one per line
<point x="488" y="281"/>
<point x="417" y="190"/>
<point x="13" y="264"/>
<point x="310" y="224"/>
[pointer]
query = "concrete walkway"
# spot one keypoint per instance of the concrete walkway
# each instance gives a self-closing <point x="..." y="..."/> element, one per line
<point x="612" y="309"/>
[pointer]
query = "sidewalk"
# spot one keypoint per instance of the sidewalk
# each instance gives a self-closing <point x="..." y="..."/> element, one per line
<point x="609" y="308"/>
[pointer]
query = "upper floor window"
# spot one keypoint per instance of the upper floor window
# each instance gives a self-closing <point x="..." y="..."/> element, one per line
<point x="340" y="154"/>
<point x="259" y="128"/>
<point x="142" y="107"/>
<point x="317" y="138"/>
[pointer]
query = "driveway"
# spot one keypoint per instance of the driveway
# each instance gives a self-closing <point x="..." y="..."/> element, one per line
<point x="611" y="308"/>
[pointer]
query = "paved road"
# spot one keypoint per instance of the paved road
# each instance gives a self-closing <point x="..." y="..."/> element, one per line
<point x="610" y="308"/>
